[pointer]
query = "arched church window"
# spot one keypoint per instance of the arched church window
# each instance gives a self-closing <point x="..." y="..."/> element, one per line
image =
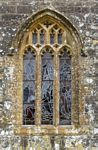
<point x="47" y="71"/>
<point x="49" y="79"/>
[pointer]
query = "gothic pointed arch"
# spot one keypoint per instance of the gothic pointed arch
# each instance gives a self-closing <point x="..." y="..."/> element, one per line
<point x="54" y="15"/>
<point x="48" y="48"/>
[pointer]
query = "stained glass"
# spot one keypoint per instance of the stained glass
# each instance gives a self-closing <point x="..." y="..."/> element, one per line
<point x="65" y="89"/>
<point x="29" y="89"/>
<point x="52" y="37"/>
<point x="29" y="66"/>
<point x="60" y="37"/>
<point x="42" y="37"/>
<point x="34" y="37"/>
<point x="29" y="110"/>
<point x="47" y="89"/>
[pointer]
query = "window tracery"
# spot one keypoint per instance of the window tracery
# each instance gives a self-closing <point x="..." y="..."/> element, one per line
<point x="47" y="33"/>
<point x="47" y="30"/>
<point x="47" y="56"/>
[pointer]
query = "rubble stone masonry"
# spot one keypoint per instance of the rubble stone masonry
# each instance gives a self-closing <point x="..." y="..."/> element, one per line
<point x="83" y="14"/>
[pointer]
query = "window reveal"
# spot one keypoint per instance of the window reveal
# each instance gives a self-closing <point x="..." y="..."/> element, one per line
<point x="47" y="88"/>
<point x="29" y="89"/>
<point x="65" y="89"/>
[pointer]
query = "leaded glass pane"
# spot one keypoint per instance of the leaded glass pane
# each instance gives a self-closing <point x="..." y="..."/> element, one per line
<point x="60" y="37"/>
<point x="65" y="89"/>
<point x="42" y="37"/>
<point x="47" y="89"/>
<point x="29" y="111"/>
<point x="29" y="89"/>
<point x="29" y="66"/>
<point x="52" y="37"/>
<point x="34" y="37"/>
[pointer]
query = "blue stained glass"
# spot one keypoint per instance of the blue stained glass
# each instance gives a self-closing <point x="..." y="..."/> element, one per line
<point x="29" y="89"/>
<point x="47" y="67"/>
<point x="52" y="37"/>
<point x="47" y="89"/>
<point x="65" y="90"/>
<point x="34" y="37"/>
<point x="29" y="66"/>
<point x="42" y="37"/>
<point x="60" y="37"/>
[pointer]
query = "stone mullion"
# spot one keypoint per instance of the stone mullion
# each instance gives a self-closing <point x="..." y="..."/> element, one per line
<point x="38" y="91"/>
<point x="56" y="90"/>
<point x="56" y="36"/>
<point x="47" y="37"/>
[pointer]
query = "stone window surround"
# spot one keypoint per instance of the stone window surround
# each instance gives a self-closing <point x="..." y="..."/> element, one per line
<point x="73" y="45"/>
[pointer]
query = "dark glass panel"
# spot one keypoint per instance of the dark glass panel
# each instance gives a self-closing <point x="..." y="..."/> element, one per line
<point x="52" y="37"/>
<point x="47" y="23"/>
<point x="28" y="114"/>
<point x="47" y="102"/>
<point x="47" y="89"/>
<point x="60" y="37"/>
<point x="42" y="37"/>
<point x="56" y="27"/>
<point x="29" y="91"/>
<point x="34" y="38"/>
<point x="29" y="88"/>
<point x="65" y="89"/>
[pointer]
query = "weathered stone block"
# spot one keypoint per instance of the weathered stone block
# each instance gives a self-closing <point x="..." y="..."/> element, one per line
<point x="7" y="9"/>
<point x="24" y="9"/>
